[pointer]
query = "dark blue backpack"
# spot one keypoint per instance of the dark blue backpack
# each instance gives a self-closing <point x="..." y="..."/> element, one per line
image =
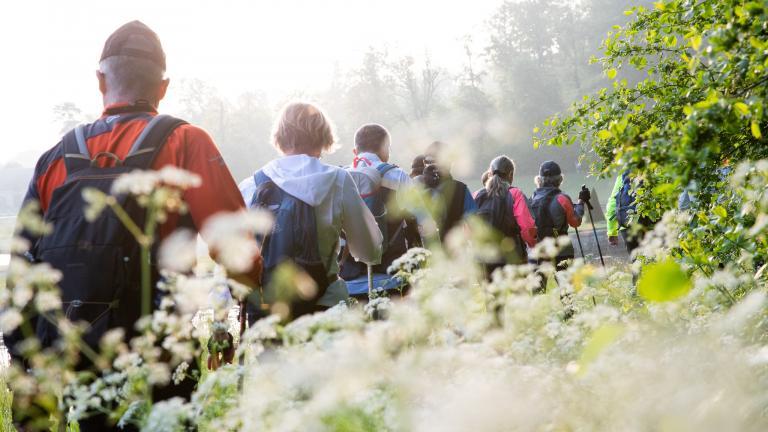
<point x="540" y="208"/>
<point x="625" y="201"/>
<point x="99" y="260"/>
<point x="496" y="211"/>
<point x="293" y="239"/>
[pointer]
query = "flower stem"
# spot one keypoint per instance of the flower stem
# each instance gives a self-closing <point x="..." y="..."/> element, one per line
<point x="146" y="261"/>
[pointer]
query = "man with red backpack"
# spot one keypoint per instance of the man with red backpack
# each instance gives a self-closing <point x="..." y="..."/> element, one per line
<point x="379" y="183"/>
<point x="99" y="260"/>
<point x="554" y="212"/>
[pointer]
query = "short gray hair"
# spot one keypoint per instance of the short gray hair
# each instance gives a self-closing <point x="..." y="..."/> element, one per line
<point x="549" y="181"/>
<point x="131" y="78"/>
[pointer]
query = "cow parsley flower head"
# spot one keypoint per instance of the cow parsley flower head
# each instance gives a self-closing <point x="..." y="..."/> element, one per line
<point x="96" y="201"/>
<point x="10" y="319"/>
<point x="178" y="252"/>
<point x="231" y="237"/>
<point x="46" y="301"/>
<point x="168" y="416"/>
<point x="180" y="373"/>
<point x="143" y="183"/>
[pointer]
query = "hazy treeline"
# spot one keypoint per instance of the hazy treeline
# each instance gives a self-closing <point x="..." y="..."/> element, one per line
<point x="531" y="61"/>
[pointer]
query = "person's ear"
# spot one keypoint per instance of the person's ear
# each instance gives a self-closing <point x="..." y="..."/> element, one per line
<point x="163" y="89"/>
<point x="354" y="151"/>
<point x="102" y="82"/>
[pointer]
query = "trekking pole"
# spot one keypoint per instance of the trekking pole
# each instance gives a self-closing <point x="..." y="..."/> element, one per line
<point x="243" y="315"/>
<point x="578" y="238"/>
<point x="594" y="230"/>
<point x="370" y="282"/>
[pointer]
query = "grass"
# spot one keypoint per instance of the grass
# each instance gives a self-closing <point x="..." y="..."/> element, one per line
<point x="6" y="400"/>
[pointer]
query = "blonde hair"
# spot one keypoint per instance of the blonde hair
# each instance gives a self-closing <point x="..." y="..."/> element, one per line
<point x="303" y="128"/>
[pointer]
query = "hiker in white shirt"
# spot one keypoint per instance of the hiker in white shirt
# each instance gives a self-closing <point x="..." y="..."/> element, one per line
<point x="379" y="184"/>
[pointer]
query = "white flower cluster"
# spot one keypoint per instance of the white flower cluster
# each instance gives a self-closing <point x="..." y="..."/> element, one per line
<point x="657" y="243"/>
<point x="142" y="183"/>
<point x="231" y="237"/>
<point x="549" y="247"/>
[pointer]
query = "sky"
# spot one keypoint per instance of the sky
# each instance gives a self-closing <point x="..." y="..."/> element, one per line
<point x="51" y="48"/>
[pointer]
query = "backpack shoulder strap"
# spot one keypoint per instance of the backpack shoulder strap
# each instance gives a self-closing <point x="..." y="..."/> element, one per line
<point x="75" y="150"/>
<point x="384" y="168"/>
<point x="151" y="140"/>
<point x="480" y="196"/>
<point x="259" y="180"/>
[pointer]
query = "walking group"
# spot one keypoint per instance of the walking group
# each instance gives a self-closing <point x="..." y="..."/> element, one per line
<point x="341" y="226"/>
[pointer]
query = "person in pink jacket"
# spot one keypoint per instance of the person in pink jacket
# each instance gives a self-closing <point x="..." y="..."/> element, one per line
<point x="505" y="208"/>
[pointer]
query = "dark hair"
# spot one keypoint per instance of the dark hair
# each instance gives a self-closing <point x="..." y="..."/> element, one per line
<point x="417" y="166"/>
<point x="370" y="137"/>
<point x="500" y="175"/>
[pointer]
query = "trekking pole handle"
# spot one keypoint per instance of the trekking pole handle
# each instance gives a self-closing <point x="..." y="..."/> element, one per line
<point x="589" y="204"/>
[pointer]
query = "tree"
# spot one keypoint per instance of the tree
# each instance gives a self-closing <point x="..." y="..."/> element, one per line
<point x="69" y="116"/>
<point x="240" y="129"/>
<point x="370" y="95"/>
<point x="417" y="89"/>
<point x="700" y="107"/>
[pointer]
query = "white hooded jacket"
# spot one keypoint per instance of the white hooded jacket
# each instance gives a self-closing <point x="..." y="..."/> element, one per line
<point x="338" y="206"/>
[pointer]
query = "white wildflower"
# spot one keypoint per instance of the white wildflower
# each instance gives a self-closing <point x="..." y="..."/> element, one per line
<point x="180" y="373"/>
<point x="195" y="293"/>
<point x="231" y="238"/>
<point x="22" y="294"/>
<point x="10" y="319"/>
<point x="96" y="201"/>
<point x="168" y="416"/>
<point x="179" y="178"/>
<point x="112" y="338"/>
<point x="19" y="245"/>
<point x="46" y="301"/>
<point x="158" y="374"/>
<point x="143" y="183"/>
<point x="178" y="252"/>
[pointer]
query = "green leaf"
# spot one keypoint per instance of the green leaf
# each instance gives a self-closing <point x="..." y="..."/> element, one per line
<point x="757" y="43"/>
<point x="611" y="73"/>
<point x="756" y="130"/>
<point x="536" y="130"/>
<point x="696" y="42"/>
<point x="664" y="188"/>
<point x="660" y="5"/>
<point x="604" y="134"/>
<point x="741" y="107"/>
<point x="663" y="281"/>
<point x="720" y="211"/>
<point x="712" y="98"/>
